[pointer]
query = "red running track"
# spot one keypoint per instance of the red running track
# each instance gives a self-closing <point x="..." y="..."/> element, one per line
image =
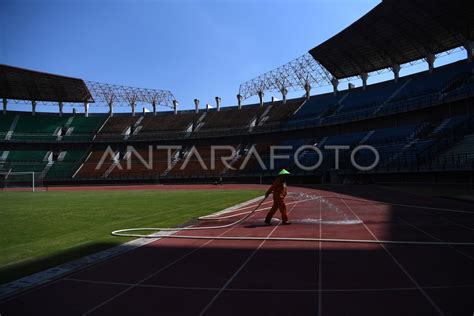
<point x="223" y="277"/>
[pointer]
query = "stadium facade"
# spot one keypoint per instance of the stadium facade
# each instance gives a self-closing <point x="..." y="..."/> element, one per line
<point x="421" y="125"/>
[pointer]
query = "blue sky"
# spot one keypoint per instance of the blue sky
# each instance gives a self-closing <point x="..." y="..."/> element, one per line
<point x="196" y="49"/>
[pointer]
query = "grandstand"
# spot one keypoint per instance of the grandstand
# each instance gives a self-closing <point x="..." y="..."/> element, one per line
<point x="422" y="122"/>
<point x="418" y="123"/>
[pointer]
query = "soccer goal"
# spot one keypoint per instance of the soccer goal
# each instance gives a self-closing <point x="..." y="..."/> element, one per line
<point x="22" y="181"/>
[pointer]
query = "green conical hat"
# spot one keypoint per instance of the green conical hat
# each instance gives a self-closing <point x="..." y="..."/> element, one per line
<point x="283" y="172"/>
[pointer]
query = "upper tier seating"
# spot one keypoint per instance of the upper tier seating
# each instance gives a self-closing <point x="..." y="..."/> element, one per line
<point x="5" y="123"/>
<point x="387" y="95"/>
<point x="84" y="128"/>
<point x="280" y="112"/>
<point x="45" y="127"/>
<point x="31" y="127"/>
<point x="317" y="104"/>
<point x="441" y="77"/>
<point x="230" y="118"/>
<point x="115" y="126"/>
<point x="166" y="122"/>
<point x="373" y="96"/>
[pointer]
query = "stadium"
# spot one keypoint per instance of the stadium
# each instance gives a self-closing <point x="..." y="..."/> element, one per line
<point x="109" y="209"/>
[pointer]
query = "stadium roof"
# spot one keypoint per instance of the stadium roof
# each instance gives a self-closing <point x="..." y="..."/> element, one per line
<point x="397" y="32"/>
<point x="22" y="84"/>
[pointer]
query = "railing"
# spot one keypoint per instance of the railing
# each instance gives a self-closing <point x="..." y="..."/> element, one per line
<point x="398" y="106"/>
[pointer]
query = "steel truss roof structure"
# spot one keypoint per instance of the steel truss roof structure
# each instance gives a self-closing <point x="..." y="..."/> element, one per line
<point x="394" y="34"/>
<point x="292" y="76"/>
<point x="126" y="96"/>
<point x="23" y="85"/>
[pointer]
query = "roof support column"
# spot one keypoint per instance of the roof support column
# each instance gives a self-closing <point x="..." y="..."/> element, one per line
<point x="364" y="76"/>
<point x="86" y="109"/>
<point x="260" y="96"/>
<point x="60" y="105"/>
<point x="5" y="101"/>
<point x="33" y="107"/>
<point x="335" y="83"/>
<point x="153" y="104"/>
<point x="469" y="46"/>
<point x="196" y="106"/>
<point x="239" y="101"/>
<point x="218" y="104"/>
<point x="307" y="88"/>
<point x="284" y="92"/>
<point x="111" y="107"/>
<point x="396" y="72"/>
<point x="430" y="59"/>
<point x="133" y="106"/>
<point x="175" y="107"/>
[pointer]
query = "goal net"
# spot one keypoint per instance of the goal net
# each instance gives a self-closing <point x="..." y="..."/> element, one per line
<point x="22" y="181"/>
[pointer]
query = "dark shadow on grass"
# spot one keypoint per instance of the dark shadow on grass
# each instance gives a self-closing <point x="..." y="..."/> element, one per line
<point x="25" y="268"/>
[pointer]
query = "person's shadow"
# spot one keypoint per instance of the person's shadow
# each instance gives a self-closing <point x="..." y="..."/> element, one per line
<point x="274" y="222"/>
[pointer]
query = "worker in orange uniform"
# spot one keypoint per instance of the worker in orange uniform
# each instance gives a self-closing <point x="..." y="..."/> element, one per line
<point x="278" y="189"/>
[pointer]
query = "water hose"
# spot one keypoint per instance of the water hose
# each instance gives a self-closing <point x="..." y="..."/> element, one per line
<point x="130" y="232"/>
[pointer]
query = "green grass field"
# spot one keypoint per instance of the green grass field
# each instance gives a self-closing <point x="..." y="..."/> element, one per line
<point x="43" y="229"/>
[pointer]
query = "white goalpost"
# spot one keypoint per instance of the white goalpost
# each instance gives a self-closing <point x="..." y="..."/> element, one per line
<point x="24" y="180"/>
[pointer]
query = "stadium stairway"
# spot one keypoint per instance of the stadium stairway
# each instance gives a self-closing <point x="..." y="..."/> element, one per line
<point x="366" y="137"/>
<point x="8" y="123"/>
<point x="392" y="96"/>
<point x="84" y="128"/>
<point x="117" y="127"/>
<point x="66" y="164"/>
<point x="48" y="127"/>
<point x="167" y="124"/>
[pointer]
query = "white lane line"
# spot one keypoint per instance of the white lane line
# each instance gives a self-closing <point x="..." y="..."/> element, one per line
<point x="406" y="222"/>
<point x="460" y="225"/>
<point x="194" y="288"/>
<point x="452" y="221"/>
<point x="152" y="275"/>
<point x="448" y="210"/>
<point x="436" y="307"/>
<point x="115" y="252"/>
<point x="320" y="275"/>
<point x="38" y="284"/>
<point x="435" y="238"/>
<point x="229" y="211"/>
<point x="261" y="209"/>
<point x="204" y="310"/>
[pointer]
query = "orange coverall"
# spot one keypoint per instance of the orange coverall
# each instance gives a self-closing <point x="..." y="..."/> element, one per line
<point x="278" y="189"/>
